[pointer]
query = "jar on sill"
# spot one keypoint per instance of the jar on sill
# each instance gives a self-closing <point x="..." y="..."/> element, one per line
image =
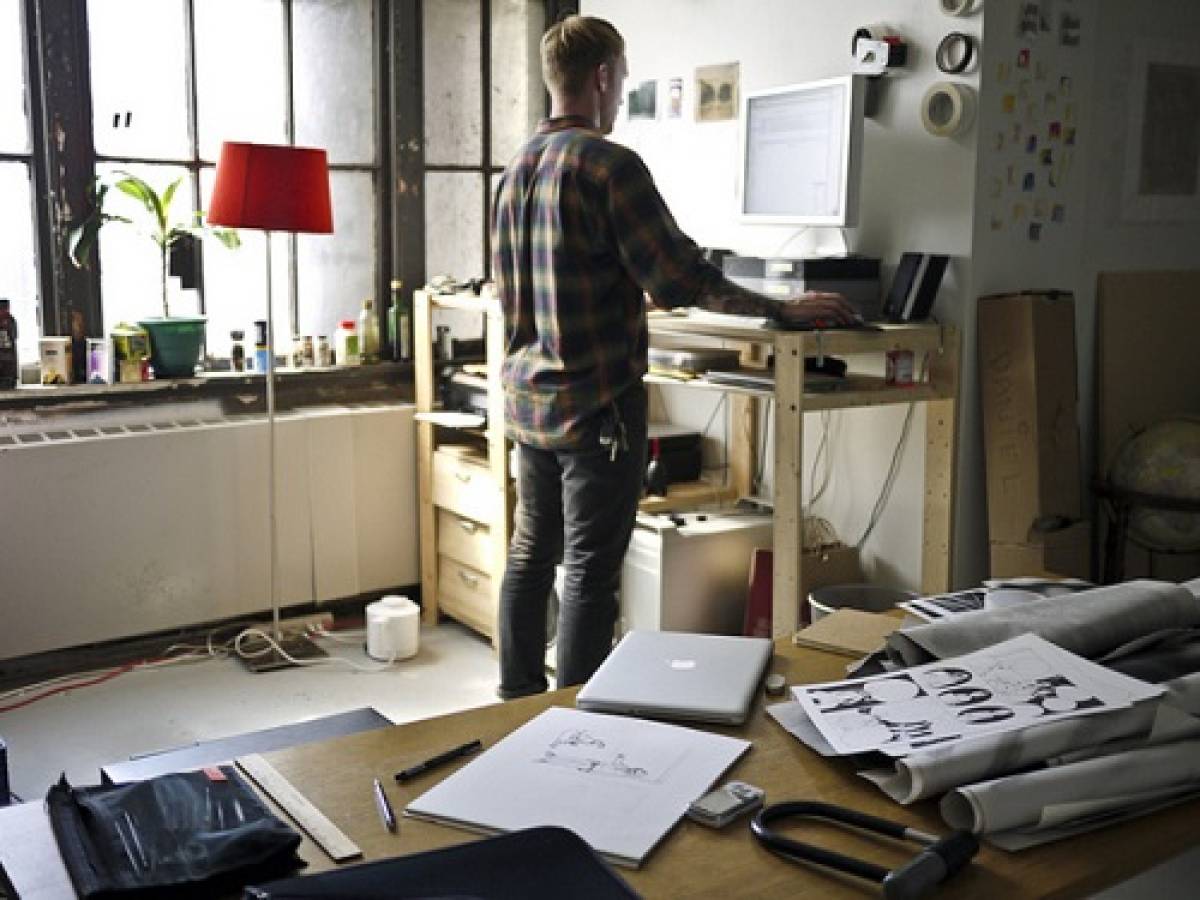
<point x="345" y="343"/>
<point x="324" y="352"/>
<point x="237" y="350"/>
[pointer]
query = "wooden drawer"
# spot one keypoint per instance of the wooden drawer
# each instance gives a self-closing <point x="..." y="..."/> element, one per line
<point x="464" y="486"/>
<point x="465" y="540"/>
<point x="466" y="594"/>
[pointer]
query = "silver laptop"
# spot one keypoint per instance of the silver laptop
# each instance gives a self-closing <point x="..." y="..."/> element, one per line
<point x="679" y="675"/>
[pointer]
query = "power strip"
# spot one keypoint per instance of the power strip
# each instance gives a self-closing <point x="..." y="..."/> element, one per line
<point x="302" y="624"/>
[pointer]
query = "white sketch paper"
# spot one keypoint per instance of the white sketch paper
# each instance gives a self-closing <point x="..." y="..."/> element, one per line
<point x="1020" y="682"/>
<point x="618" y="782"/>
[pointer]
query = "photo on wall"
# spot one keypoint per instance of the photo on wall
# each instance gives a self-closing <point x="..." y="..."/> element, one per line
<point x="717" y="92"/>
<point x="642" y="101"/>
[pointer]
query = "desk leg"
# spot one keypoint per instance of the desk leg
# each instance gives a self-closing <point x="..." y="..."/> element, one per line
<point x="941" y="463"/>
<point x="501" y="524"/>
<point x="789" y="465"/>
<point x="423" y="394"/>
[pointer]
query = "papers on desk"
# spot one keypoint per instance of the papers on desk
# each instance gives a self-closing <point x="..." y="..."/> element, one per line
<point x="29" y="854"/>
<point x="1020" y="682"/>
<point x="619" y="783"/>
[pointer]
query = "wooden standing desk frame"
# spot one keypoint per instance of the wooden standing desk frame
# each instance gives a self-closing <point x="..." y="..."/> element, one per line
<point x="938" y="345"/>
<point x="694" y="861"/>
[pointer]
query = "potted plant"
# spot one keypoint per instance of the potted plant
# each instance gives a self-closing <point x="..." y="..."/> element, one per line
<point x="175" y="341"/>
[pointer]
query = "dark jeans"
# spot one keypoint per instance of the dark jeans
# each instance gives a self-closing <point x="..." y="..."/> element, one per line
<point x="577" y="507"/>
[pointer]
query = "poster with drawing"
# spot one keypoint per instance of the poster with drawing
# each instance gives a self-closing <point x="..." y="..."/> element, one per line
<point x="1019" y="682"/>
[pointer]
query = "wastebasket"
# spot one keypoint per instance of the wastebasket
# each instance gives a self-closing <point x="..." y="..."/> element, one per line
<point x="866" y="597"/>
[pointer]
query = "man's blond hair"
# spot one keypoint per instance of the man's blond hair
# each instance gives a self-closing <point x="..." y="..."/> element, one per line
<point x="573" y="48"/>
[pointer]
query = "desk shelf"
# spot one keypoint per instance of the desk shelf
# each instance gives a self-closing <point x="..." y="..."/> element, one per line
<point x="937" y="346"/>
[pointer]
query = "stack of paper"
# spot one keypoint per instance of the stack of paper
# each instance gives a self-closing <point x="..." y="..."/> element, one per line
<point x="1021" y="682"/>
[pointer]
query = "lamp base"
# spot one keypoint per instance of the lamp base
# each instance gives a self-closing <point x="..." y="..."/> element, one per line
<point x="259" y="656"/>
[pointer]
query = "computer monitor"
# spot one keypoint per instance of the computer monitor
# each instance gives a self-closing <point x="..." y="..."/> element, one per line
<point x="802" y="153"/>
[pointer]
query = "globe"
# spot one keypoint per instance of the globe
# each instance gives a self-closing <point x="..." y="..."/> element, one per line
<point x="1162" y="459"/>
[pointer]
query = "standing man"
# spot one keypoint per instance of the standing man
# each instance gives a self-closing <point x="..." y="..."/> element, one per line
<point x="581" y="235"/>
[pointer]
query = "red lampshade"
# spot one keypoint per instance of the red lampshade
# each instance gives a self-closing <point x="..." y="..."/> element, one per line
<point x="273" y="188"/>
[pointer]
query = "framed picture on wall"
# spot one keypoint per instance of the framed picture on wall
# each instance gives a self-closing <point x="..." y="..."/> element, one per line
<point x="1162" y="151"/>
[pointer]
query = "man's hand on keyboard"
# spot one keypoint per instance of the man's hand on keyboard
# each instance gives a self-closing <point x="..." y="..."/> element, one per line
<point x="817" y="309"/>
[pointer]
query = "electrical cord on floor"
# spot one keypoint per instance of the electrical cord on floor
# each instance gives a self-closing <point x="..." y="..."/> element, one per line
<point x="273" y="646"/>
<point x="29" y="694"/>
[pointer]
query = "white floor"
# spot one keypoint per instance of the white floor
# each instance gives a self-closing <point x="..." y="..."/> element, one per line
<point x="159" y="709"/>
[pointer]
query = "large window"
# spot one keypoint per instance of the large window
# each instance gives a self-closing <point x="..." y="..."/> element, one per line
<point x="271" y="71"/>
<point x="419" y="104"/>
<point x="18" y="268"/>
<point x="483" y="98"/>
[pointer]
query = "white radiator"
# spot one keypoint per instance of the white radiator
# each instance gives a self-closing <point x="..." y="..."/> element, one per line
<point x="130" y="529"/>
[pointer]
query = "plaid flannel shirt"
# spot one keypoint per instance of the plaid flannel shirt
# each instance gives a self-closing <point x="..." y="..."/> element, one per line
<point x="580" y="231"/>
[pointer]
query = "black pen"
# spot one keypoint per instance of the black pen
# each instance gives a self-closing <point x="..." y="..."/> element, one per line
<point x="385" y="808"/>
<point x="435" y="761"/>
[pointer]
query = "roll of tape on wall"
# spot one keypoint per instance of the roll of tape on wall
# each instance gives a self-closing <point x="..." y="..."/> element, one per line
<point x="947" y="109"/>
<point x="955" y="53"/>
<point x="957" y="7"/>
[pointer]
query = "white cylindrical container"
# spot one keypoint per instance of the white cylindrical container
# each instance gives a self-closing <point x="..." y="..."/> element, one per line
<point x="393" y="628"/>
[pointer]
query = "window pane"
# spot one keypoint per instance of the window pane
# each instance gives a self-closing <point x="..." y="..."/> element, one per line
<point x="139" y="78"/>
<point x="130" y="263"/>
<point x="454" y="224"/>
<point x="14" y="129"/>
<point x="235" y="284"/>
<point x="453" y="98"/>
<point x="240" y="74"/>
<point x="334" y="73"/>
<point x="18" y="275"/>
<point x="518" y="97"/>
<point x="336" y="272"/>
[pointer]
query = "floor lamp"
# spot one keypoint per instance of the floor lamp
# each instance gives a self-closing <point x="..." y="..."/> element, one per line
<point x="273" y="188"/>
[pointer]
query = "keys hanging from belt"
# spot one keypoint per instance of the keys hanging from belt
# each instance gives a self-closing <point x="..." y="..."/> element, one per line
<point x="613" y="434"/>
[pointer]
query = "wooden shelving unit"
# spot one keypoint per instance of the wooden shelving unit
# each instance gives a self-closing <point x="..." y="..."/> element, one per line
<point x="466" y="490"/>
<point x="937" y="345"/>
<point x="465" y="484"/>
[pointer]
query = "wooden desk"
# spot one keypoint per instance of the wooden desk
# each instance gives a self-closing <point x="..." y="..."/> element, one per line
<point x="695" y="861"/>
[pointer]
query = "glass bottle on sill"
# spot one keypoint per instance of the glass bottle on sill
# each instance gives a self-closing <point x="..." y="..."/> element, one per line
<point x="10" y="365"/>
<point x="237" y="350"/>
<point x="368" y="333"/>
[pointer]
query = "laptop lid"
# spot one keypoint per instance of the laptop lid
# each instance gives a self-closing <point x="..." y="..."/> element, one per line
<point x="679" y="675"/>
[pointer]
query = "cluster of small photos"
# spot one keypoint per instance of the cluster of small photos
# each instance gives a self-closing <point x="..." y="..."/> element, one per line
<point x="1036" y="144"/>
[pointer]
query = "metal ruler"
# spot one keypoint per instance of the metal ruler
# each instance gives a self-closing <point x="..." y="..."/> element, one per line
<point x="327" y="836"/>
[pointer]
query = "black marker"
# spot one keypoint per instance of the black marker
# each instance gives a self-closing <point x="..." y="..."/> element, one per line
<point x="434" y="762"/>
<point x="385" y="808"/>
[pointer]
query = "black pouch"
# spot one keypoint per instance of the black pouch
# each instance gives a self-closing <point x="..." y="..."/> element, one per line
<point x="187" y="834"/>
<point x="544" y="863"/>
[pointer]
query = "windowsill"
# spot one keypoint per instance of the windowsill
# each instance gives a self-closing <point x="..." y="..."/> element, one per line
<point x="337" y="384"/>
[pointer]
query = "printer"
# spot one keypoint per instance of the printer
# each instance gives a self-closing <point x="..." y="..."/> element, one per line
<point x="855" y="277"/>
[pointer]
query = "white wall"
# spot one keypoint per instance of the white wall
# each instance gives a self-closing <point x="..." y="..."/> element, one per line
<point x="1097" y="235"/>
<point x="917" y="194"/>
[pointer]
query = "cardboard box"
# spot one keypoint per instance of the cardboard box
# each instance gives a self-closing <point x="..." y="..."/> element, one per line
<point x="835" y="564"/>
<point x="1067" y="551"/>
<point x="1028" y="376"/>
